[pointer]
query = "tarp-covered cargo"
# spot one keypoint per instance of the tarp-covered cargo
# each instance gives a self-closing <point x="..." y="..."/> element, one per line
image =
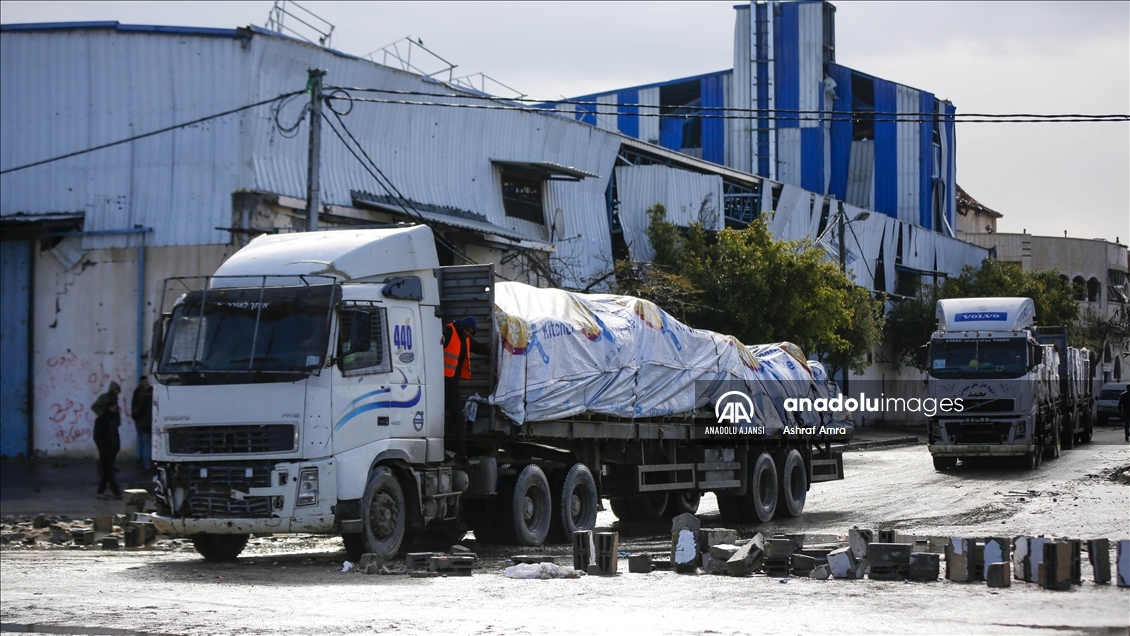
<point x="563" y="354"/>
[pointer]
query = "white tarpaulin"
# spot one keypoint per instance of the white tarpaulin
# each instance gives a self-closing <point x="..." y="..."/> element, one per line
<point x="563" y="354"/>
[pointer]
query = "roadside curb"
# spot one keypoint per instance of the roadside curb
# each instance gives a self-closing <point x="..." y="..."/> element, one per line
<point x="898" y="441"/>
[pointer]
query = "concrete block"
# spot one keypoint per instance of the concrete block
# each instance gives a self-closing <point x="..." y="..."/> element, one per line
<point x="371" y="563"/>
<point x="1035" y="558"/>
<point x="110" y="543"/>
<point x="797" y="539"/>
<point x="998" y="574"/>
<point x="451" y="565"/>
<point x="820" y="572"/>
<point x="803" y="564"/>
<point x="842" y="563"/>
<point x="708" y="537"/>
<point x="862" y="568"/>
<point x="104" y="523"/>
<point x="134" y="536"/>
<point x="748" y="558"/>
<point x="778" y="548"/>
<point x="85" y="536"/>
<point x="1122" y="565"/>
<point x="584" y="550"/>
<point x="713" y="565"/>
<point x="996" y="550"/>
<point x="924" y="566"/>
<point x="662" y="564"/>
<point x="134" y="499"/>
<point x="889" y="561"/>
<point x="41" y="521"/>
<point x="885" y="536"/>
<point x="1056" y="566"/>
<point x="607" y="552"/>
<point x="639" y="564"/>
<point x="418" y="560"/>
<point x="1098" y="553"/>
<point x="976" y="560"/>
<point x="959" y="560"/>
<point x="1076" y="561"/>
<point x="858" y="540"/>
<point x="59" y="535"/>
<point x="593" y="570"/>
<point x="685" y="549"/>
<point x="723" y="551"/>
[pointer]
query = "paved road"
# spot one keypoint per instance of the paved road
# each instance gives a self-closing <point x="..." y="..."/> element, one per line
<point x="294" y="586"/>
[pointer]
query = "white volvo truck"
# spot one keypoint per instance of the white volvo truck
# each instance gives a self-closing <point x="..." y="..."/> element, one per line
<point x="987" y="359"/>
<point x="301" y="390"/>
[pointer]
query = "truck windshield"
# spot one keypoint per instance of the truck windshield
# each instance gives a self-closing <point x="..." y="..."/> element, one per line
<point x="248" y="334"/>
<point x="985" y="358"/>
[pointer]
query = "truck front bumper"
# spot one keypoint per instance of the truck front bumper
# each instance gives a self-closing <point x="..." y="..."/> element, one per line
<point x="189" y="526"/>
<point x="981" y="450"/>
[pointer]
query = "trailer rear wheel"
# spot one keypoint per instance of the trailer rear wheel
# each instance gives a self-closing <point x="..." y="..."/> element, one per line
<point x="792" y="485"/>
<point x="382" y="513"/>
<point x="528" y="511"/>
<point x="760" y="500"/>
<point x="574" y="503"/>
<point x="680" y="502"/>
<point x="219" y="547"/>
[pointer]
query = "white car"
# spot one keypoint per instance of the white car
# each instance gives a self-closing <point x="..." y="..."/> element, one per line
<point x="1107" y="402"/>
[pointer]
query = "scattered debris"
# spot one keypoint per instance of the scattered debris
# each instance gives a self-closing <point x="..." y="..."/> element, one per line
<point x="541" y="571"/>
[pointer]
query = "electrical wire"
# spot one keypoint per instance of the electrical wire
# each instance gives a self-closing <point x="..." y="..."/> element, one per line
<point x="762" y="113"/>
<point x="148" y="134"/>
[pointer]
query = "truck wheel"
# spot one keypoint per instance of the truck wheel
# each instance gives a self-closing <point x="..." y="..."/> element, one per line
<point x="621" y="508"/>
<point x="760" y="501"/>
<point x="648" y="507"/>
<point x="945" y="463"/>
<point x="382" y="513"/>
<point x="527" y="513"/>
<point x="730" y="510"/>
<point x="574" y="504"/>
<point x="219" y="547"/>
<point x="685" y="501"/>
<point x="793" y="485"/>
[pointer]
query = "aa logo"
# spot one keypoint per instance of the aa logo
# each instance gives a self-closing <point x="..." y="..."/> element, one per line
<point x="734" y="407"/>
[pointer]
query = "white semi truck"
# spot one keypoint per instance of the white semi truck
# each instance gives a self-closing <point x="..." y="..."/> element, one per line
<point x="1013" y="389"/>
<point x="301" y="390"/>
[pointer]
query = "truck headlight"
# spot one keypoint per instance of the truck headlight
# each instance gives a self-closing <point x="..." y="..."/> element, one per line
<point x="307" y="487"/>
<point x="1020" y="429"/>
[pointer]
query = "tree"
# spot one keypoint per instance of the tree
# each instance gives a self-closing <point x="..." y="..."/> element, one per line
<point x="745" y="284"/>
<point x="1094" y="331"/>
<point x="910" y="323"/>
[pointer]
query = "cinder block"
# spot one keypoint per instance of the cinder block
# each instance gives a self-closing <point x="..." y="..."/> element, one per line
<point x="133" y="536"/>
<point x="639" y="564"/>
<point x="110" y="543"/>
<point x="803" y="565"/>
<point x="1035" y="558"/>
<point x="924" y="566"/>
<point x="1056" y="566"/>
<point x="685" y="549"/>
<point x="708" y="537"/>
<point x="842" y="563"/>
<point x="778" y="548"/>
<point x="584" y="550"/>
<point x="1020" y="562"/>
<point x="797" y="539"/>
<point x="858" y="540"/>
<point x="607" y="552"/>
<point x="997" y="574"/>
<point x="889" y="561"/>
<point x="723" y="551"/>
<point x="713" y="565"/>
<point x="85" y="536"/>
<point x="104" y="523"/>
<point x="885" y="536"/>
<point x="1098" y="552"/>
<point x="451" y="565"/>
<point x="418" y="560"/>
<point x="820" y="572"/>
<point x="977" y="560"/>
<point x="748" y="558"/>
<point x="959" y="560"/>
<point x="995" y="550"/>
<point x="662" y="564"/>
<point x="1123" y="564"/>
<point x="1076" y="561"/>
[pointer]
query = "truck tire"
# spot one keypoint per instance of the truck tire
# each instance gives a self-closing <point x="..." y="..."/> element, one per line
<point x="760" y="501"/>
<point x="622" y="509"/>
<point x="219" y="547"/>
<point x="680" y="502"/>
<point x="383" y="513"/>
<point x="729" y="509"/>
<point x="574" y="503"/>
<point x="792" y="485"/>
<point x="527" y="511"/>
<point x="945" y="463"/>
<point x="648" y="507"/>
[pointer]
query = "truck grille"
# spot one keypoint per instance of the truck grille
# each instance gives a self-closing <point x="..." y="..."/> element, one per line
<point x="208" y="488"/>
<point x="233" y="439"/>
<point x="213" y="505"/>
<point x="978" y="432"/>
<point x="988" y="405"/>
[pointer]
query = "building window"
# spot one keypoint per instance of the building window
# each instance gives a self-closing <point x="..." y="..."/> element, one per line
<point x="862" y="107"/>
<point x="1094" y="290"/>
<point x="1079" y="288"/>
<point x="522" y="197"/>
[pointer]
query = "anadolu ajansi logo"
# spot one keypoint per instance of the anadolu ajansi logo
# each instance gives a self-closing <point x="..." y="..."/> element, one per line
<point x="734" y="411"/>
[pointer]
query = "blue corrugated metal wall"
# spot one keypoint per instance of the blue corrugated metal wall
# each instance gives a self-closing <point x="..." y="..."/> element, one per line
<point x="15" y="318"/>
<point x="671" y="132"/>
<point x="762" y="96"/>
<point x="841" y="131"/>
<point x="628" y="121"/>
<point x="926" y="161"/>
<point x="713" y="127"/>
<point x="951" y="168"/>
<point x="886" y="149"/>
<point x="787" y="52"/>
<point x="587" y="113"/>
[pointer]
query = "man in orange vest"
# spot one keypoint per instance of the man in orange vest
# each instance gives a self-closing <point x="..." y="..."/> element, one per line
<point x="457" y="348"/>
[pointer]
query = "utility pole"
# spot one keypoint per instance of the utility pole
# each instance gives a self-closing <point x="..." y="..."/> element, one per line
<point x="313" y="189"/>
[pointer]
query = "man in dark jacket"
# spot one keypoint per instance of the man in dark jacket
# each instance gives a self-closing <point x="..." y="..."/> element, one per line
<point x="106" y="438"/>
<point x="1124" y="411"/>
<point x="141" y="409"/>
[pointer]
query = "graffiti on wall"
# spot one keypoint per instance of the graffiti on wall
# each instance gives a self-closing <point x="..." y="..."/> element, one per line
<point x="70" y="386"/>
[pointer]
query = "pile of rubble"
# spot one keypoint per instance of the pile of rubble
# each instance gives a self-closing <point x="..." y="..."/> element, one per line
<point x="1055" y="564"/>
<point x="459" y="561"/>
<point x="110" y="532"/>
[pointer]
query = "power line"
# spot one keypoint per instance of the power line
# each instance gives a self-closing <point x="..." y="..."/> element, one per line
<point x="148" y="134"/>
<point x="760" y="113"/>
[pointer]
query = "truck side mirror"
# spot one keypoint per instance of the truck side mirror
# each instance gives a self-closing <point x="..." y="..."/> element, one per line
<point x="360" y="331"/>
<point x="922" y="357"/>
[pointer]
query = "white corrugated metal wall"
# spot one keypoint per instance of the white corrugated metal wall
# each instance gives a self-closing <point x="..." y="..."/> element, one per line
<point x="688" y="197"/>
<point x="739" y="128"/>
<point x="908" y="167"/>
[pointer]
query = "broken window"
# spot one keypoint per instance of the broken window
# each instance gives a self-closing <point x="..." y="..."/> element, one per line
<point x="1079" y="288"/>
<point x="1094" y="290"/>
<point x="862" y="107"/>
<point x="522" y="197"/>
<point x="680" y="127"/>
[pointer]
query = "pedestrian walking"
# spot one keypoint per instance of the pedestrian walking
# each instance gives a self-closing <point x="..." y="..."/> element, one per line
<point x="107" y="439"/>
<point x="141" y="409"/>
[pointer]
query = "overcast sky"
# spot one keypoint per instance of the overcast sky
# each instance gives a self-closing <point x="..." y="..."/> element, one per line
<point x="1009" y="57"/>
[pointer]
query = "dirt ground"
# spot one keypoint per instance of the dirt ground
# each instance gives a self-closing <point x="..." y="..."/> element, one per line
<point x="293" y="585"/>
